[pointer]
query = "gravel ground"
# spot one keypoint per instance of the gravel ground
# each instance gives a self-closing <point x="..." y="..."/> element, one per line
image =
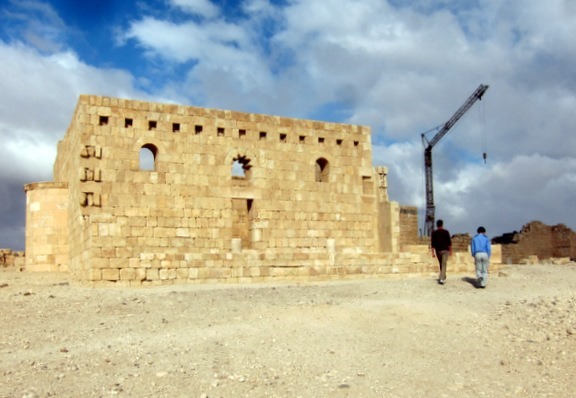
<point x="361" y="338"/>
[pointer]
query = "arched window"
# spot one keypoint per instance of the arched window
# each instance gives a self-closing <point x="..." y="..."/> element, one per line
<point x="322" y="170"/>
<point x="241" y="167"/>
<point x="148" y="154"/>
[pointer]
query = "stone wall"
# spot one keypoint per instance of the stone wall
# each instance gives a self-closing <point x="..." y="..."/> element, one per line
<point x="46" y="227"/>
<point x="147" y="193"/>
<point x="285" y="191"/>
<point x="461" y="242"/>
<point x="13" y="260"/>
<point x="409" y="226"/>
<point x="537" y="239"/>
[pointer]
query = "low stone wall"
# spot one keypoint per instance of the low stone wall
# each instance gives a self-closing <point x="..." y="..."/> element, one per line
<point x="251" y="266"/>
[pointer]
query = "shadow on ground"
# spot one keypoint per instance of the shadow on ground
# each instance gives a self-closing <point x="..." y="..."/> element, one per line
<point x="471" y="281"/>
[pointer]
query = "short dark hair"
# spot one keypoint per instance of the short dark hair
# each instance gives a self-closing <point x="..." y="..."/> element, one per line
<point x="439" y="223"/>
<point x="481" y="230"/>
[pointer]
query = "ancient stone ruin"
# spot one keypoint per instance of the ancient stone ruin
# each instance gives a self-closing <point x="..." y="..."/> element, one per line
<point x="537" y="241"/>
<point x="149" y="193"/>
<point x="12" y="259"/>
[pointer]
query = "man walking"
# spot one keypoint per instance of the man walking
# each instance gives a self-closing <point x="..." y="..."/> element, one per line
<point x="481" y="251"/>
<point x="441" y="245"/>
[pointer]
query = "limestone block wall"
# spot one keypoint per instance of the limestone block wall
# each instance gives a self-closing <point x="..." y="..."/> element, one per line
<point x="290" y="190"/>
<point x="461" y="242"/>
<point x="563" y="241"/>
<point x="540" y="240"/>
<point x="74" y="156"/>
<point x="46" y="227"/>
<point x="388" y="231"/>
<point x="409" y="225"/>
<point x="12" y="259"/>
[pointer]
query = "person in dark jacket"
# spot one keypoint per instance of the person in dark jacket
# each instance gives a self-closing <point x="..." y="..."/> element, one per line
<point x="441" y="245"/>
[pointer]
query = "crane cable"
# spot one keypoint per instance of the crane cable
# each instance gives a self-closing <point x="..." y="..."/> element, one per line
<point x="484" y="134"/>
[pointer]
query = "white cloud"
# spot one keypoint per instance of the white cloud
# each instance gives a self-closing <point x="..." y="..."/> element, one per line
<point x="38" y="94"/>
<point x="36" y="23"/>
<point x="213" y="43"/>
<point x="400" y="69"/>
<point x="40" y="91"/>
<point x="203" y="8"/>
<point x="259" y="8"/>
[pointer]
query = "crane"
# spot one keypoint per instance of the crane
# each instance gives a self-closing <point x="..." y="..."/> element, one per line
<point x="430" y="208"/>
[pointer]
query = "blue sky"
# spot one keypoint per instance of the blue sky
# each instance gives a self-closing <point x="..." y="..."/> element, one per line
<point x="401" y="67"/>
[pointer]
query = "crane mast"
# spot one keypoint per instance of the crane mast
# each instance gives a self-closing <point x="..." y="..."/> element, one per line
<point x="430" y="208"/>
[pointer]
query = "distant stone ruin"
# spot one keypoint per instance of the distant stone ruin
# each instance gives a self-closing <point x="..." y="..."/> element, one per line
<point x="149" y="193"/>
<point x="536" y="239"/>
<point x="13" y="260"/>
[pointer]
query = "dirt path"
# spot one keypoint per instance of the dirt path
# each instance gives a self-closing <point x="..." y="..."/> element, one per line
<point x="364" y="338"/>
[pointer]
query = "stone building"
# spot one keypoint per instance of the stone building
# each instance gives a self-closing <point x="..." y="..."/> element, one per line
<point x="538" y="240"/>
<point x="223" y="196"/>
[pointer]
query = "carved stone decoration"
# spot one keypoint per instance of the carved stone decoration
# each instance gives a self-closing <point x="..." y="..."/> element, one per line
<point x="90" y="174"/>
<point x="91" y="151"/>
<point x="90" y="199"/>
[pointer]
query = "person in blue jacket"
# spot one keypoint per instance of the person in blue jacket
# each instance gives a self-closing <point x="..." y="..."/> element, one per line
<point x="481" y="251"/>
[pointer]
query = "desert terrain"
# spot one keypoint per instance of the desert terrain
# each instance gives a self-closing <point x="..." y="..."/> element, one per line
<point x="385" y="337"/>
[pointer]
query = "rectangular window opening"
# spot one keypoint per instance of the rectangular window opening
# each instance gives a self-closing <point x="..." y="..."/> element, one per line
<point x="242" y="133"/>
<point x="249" y="207"/>
<point x="175" y="127"/>
<point x="198" y="129"/>
<point x="263" y="135"/>
<point x="302" y="138"/>
<point x="152" y="124"/>
<point x="282" y="137"/>
<point x="242" y="219"/>
<point x="220" y="131"/>
<point x="128" y="122"/>
<point x="103" y="121"/>
<point x="338" y="142"/>
<point x="320" y="140"/>
<point x="356" y="143"/>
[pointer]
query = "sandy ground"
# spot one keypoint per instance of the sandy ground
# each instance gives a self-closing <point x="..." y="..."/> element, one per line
<point x="360" y="338"/>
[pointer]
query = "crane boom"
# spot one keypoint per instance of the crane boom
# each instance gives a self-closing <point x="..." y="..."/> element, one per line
<point x="430" y="208"/>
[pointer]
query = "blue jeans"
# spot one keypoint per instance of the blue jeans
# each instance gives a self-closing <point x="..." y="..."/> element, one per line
<point x="482" y="261"/>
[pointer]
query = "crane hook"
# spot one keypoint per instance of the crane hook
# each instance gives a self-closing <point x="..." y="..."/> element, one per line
<point x="484" y="156"/>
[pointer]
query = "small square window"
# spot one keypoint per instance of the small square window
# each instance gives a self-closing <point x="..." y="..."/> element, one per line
<point x="128" y="122"/>
<point x="242" y="133"/>
<point x="356" y="143"/>
<point x="175" y="127"/>
<point x="338" y="142"/>
<point x="198" y="129"/>
<point x="320" y="140"/>
<point x="302" y="138"/>
<point x="220" y="131"/>
<point x="103" y="121"/>
<point x="152" y="124"/>
<point x="282" y="137"/>
<point x="263" y="135"/>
